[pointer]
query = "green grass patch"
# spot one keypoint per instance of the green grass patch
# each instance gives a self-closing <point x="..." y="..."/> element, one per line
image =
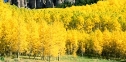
<point x="66" y="58"/>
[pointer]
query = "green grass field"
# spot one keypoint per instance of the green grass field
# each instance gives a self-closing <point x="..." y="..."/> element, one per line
<point x="67" y="58"/>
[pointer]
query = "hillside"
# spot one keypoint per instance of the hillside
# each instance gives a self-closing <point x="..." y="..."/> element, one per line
<point x="97" y="30"/>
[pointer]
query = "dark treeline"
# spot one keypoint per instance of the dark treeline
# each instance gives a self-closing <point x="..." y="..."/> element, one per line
<point x="77" y="3"/>
<point x="49" y="3"/>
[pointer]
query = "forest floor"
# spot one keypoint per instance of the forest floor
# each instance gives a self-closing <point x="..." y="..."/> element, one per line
<point x="67" y="58"/>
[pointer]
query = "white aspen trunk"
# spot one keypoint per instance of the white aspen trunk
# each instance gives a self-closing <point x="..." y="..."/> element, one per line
<point x="35" y="3"/>
<point x="9" y="0"/>
<point x="19" y="3"/>
<point x="25" y="3"/>
<point x="22" y="3"/>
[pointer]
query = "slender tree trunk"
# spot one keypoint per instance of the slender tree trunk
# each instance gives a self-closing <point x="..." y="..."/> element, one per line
<point x="82" y="54"/>
<point x="49" y="58"/>
<point x="35" y="3"/>
<point x="18" y="54"/>
<point x="34" y="56"/>
<point x="10" y="53"/>
<point x="10" y="1"/>
<point x="58" y="57"/>
<point x="19" y="3"/>
<point x="43" y="57"/>
<point x="23" y="3"/>
<point x="29" y="55"/>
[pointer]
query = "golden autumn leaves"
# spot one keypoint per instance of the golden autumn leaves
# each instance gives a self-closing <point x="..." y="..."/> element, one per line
<point x="97" y="29"/>
<point x="32" y="38"/>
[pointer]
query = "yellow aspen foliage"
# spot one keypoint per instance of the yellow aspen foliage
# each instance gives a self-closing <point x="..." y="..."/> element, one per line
<point x="72" y="41"/>
<point x="1" y="35"/>
<point x="97" y="42"/>
<point x="1" y="30"/>
<point x="97" y="29"/>
<point x="11" y="34"/>
<point x="81" y="22"/>
<point x="23" y="37"/>
<point x="42" y="29"/>
<point x="33" y="37"/>
<point x="88" y="25"/>
<point x="106" y="39"/>
<point x="82" y="41"/>
<point x="116" y="43"/>
<point x="123" y="44"/>
<point x="55" y="39"/>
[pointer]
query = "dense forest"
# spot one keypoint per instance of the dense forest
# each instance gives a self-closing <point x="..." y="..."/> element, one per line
<point x="96" y="30"/>
<point x="77" y="3"/>
<point x="49" y="3"/>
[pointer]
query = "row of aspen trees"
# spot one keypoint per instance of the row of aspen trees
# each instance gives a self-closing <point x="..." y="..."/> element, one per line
<point x="97" y="30"/>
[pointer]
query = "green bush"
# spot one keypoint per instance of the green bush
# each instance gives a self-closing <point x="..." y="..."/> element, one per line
<point x="2" y="58"/>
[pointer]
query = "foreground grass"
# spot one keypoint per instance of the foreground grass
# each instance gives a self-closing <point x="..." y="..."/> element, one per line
<point x="67" y="58"/>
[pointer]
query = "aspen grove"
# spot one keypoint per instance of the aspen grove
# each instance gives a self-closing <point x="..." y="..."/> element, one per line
<point x="98" y="29"/>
